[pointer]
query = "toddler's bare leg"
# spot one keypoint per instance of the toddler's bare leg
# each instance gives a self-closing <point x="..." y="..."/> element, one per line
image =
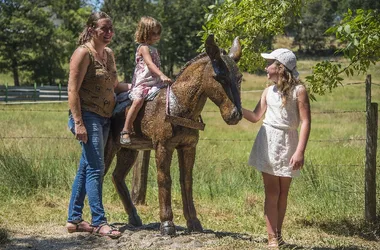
<point x="130" y="117"/>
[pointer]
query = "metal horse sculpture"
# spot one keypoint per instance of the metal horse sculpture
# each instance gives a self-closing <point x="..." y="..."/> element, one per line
<point x="212" y="75"/>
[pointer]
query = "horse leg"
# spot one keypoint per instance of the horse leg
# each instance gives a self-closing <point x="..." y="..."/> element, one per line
<point x="124" y="163"/>
<point x="163" y="161"/>
<point x="186" y="158"/>
<point x="110" y="151"/>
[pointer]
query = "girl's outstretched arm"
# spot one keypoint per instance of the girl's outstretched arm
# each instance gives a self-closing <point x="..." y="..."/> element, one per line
<point x="258" y="112"/>
<point x="297" y="159"/>
<point x="144" y="51"/>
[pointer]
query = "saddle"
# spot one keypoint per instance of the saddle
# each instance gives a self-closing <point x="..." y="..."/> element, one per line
<point x="123" y="101"/>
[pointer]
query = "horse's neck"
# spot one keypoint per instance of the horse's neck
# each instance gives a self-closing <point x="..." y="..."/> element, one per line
<point x="187" y="97"/>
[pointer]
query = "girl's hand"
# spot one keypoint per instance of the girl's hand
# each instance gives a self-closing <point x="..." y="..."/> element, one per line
<point x="165" y="79"/>
<point x="297" y="161"/>
<point x="81" y="132"/>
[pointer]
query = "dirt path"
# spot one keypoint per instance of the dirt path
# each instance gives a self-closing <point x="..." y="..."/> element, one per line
<point x="146" y="237"/>
<point x="55" y="237"/>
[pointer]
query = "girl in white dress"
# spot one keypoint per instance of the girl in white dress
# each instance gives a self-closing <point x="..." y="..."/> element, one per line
<point x="278" y="151"/>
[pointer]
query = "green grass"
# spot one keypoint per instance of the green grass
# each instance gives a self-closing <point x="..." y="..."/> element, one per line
<point x="39" y="156"/>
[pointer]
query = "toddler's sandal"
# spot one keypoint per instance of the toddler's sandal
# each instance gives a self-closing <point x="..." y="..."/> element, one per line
<point x="125" y="141"/>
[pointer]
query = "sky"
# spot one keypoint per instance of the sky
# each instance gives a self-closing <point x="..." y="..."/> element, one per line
<point x="96" y="3"/>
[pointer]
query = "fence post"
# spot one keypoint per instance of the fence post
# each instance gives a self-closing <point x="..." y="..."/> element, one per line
<point x="35" y="92"/>
<point x="60" y="90"/>
<point x="140" y="177"/>
<point x="6" y="92"/>
<point x="370" y="162"/>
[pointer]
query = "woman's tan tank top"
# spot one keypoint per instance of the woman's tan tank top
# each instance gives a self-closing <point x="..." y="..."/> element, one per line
<point x="97" y="90"/>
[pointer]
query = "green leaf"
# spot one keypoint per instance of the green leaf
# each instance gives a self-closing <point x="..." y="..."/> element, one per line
<point x="347" y="29"/>
<point x="356" y="42"/>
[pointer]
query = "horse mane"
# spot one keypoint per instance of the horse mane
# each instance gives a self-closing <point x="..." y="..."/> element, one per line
<point x="201" y="55"/>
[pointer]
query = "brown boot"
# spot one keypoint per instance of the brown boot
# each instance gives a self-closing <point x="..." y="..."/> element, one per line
<point x="272" y="241"/>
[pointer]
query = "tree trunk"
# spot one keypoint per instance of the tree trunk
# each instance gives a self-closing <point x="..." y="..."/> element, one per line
<point x="15" y="72"/>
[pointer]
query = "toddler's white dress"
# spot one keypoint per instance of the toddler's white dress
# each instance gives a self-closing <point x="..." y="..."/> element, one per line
<point x="144" y="83"/>
<point x="277" y="138"/>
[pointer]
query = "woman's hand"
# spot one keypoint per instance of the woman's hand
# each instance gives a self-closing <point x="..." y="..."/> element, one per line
<point x="80" y="132"/>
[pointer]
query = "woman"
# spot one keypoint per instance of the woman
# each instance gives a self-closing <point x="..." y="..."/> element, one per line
<point x="92" y="81"/>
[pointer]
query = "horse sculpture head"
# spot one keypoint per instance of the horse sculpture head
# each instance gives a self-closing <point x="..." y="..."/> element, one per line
<point x="227" y="74"/>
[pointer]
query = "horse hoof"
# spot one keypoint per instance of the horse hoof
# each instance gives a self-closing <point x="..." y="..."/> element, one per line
<point x="194" y="226"/>
<point x="167" y="228"/>
<point x="135" y="220"/>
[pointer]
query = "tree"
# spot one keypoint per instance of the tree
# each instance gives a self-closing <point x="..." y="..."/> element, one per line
<point x="70" y="16"/>
<point x="256" y="22"/>
<point x="23" y="26"/>
<point x="345" y="5"/>
<point x="316" y="17"/>
<point x="359" y="31"/>
<point x="182" y="20"/>
<point x="34" y="44"/>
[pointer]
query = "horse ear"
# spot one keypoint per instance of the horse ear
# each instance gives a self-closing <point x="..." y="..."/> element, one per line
<point x="235" y="51"/>
<point x="212" y="49"/>
<point x="213" y="52"/>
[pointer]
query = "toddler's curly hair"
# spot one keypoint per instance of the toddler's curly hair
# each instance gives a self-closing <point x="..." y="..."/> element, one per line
<point x="146" y="27"/>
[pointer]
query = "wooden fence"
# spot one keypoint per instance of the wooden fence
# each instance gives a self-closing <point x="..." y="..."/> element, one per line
<point x="371" y="149"/>
<point x="12" y="94"/>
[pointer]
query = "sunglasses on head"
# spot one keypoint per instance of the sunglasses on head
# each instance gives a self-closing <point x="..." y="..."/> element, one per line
<point x="106" y="29"/>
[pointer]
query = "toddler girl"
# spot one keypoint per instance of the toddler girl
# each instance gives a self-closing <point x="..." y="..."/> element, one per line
<point x="147" y="75"/>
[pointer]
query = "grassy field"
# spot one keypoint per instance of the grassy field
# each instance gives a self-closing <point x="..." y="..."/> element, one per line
<point x="38" y="160"/>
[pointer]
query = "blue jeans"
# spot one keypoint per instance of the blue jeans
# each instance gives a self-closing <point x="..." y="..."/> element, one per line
<point x="89" y="177"/>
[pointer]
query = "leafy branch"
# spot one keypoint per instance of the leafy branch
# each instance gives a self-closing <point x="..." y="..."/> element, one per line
<point x="256" y="22"/>
<point x="359" y="32"/>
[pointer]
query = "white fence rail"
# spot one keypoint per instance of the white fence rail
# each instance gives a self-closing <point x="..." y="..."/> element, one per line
<point x="9" y="94"/>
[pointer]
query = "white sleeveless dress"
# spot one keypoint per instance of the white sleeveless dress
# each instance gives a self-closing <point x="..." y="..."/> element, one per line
<point x="277" y="138"/>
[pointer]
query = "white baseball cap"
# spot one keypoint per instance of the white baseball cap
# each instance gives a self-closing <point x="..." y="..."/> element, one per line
<point x="285" y="57"/>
